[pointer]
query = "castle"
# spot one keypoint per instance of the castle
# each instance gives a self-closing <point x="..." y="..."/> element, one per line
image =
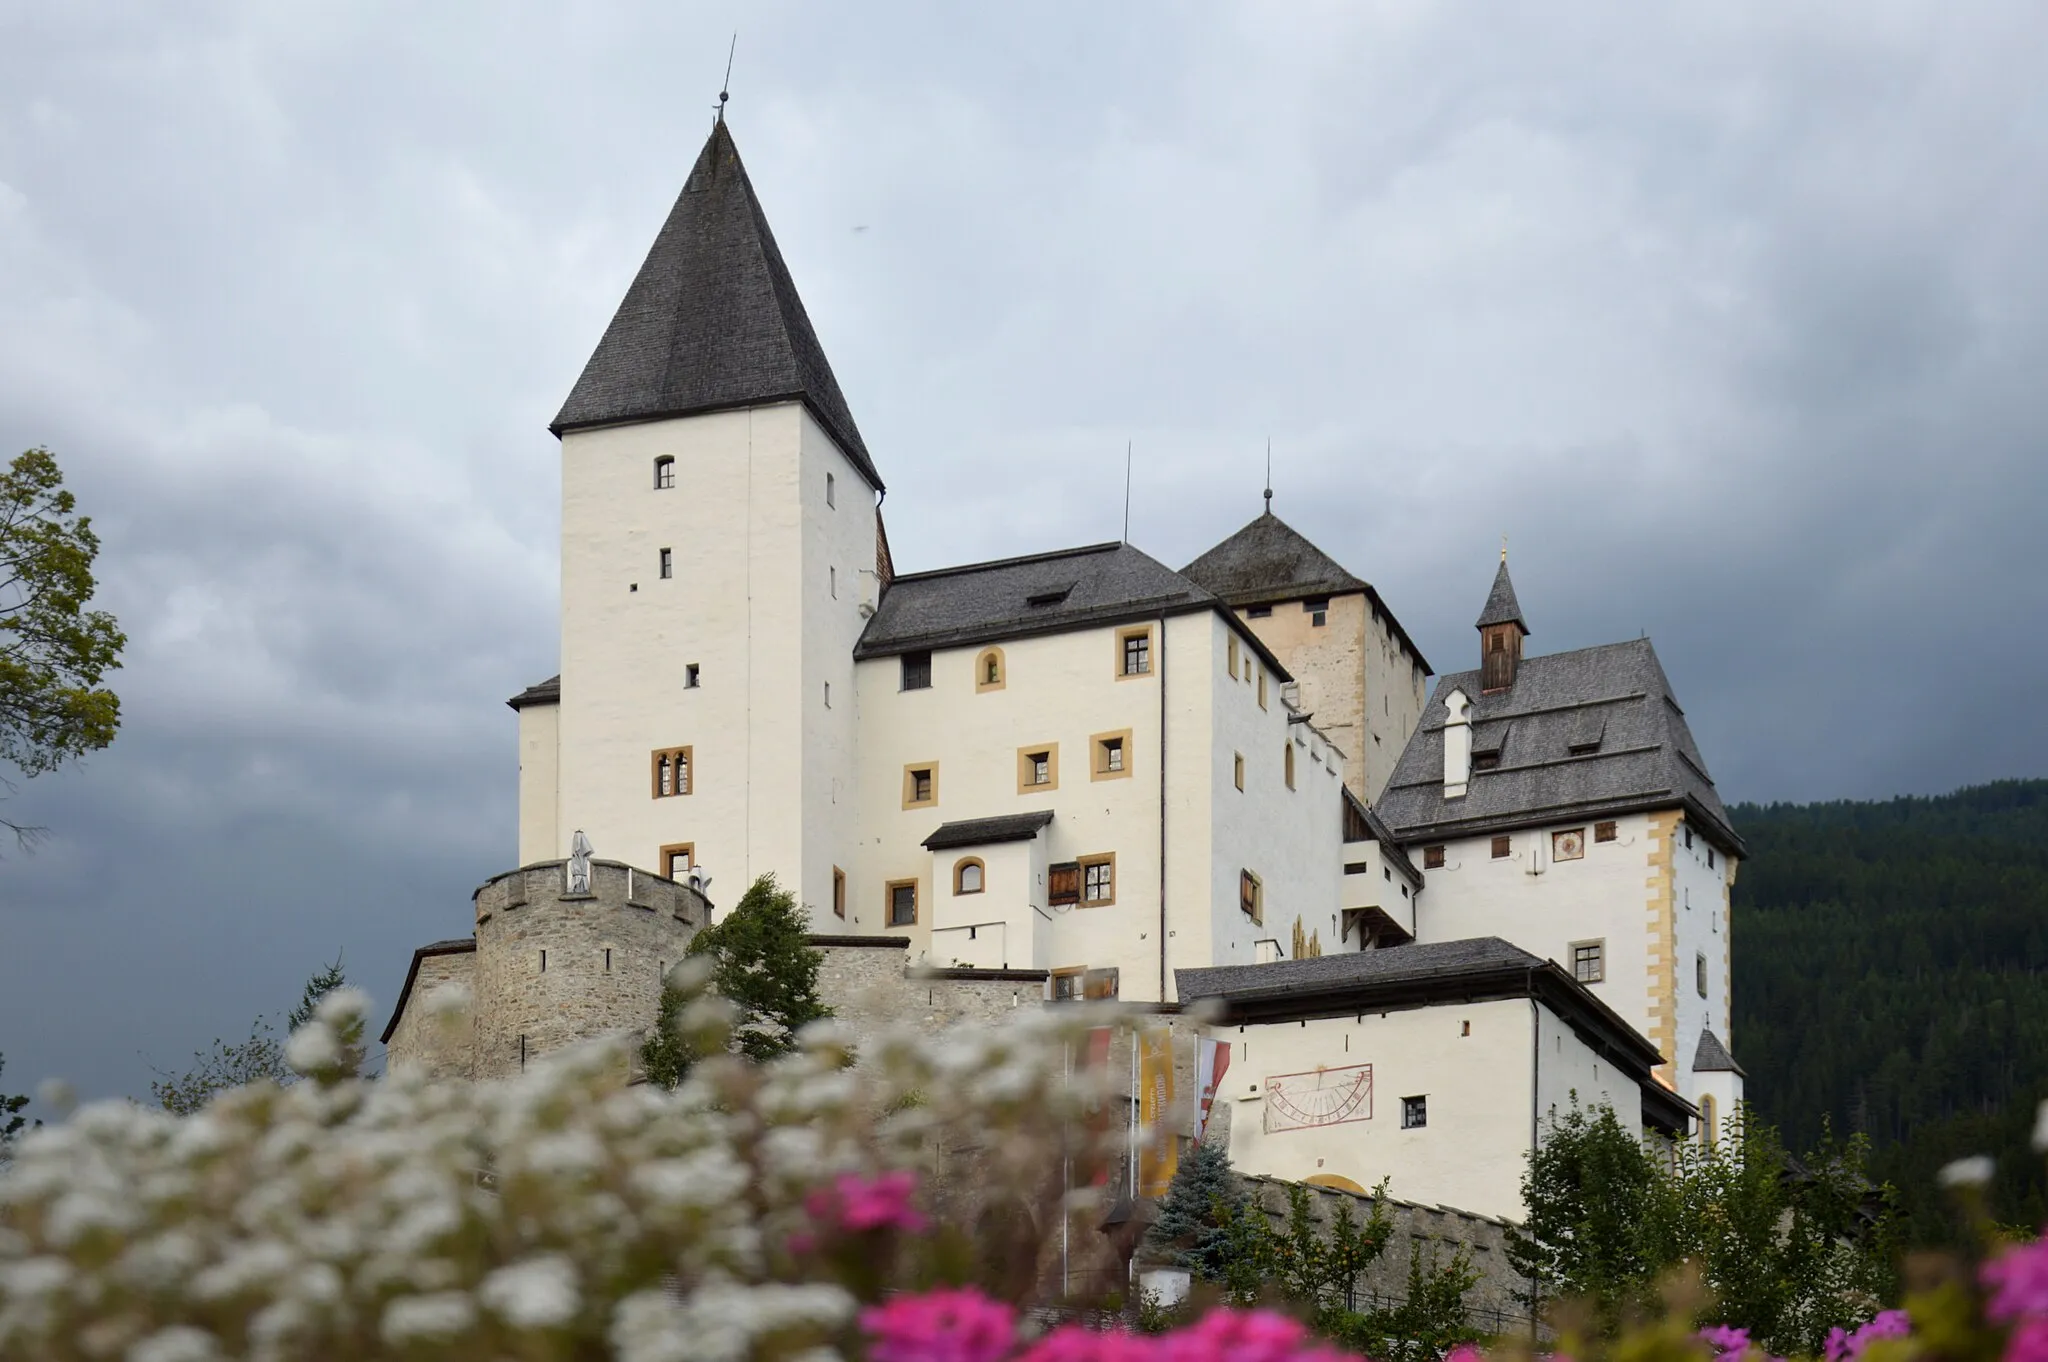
<point x="1423" y="919"/>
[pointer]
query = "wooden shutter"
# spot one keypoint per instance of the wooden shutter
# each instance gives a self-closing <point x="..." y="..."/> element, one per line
<point x="1063" y="883"/>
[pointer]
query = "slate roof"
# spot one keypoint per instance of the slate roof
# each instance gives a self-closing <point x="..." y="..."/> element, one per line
<point x="548" y="692"/>
<point x="974" y="832"/>
<point x="1616" y="695"/>
<point x="1501" y="605"/>
<point x="1418" y="975"/>
<point x="1039" y="594"/>
<point x="1712" y="1057"/>
<point x="1269" y="560"/>
<point x="712" y="321"/>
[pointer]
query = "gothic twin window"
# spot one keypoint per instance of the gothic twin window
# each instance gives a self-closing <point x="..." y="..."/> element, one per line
<point x="671" y="772"/>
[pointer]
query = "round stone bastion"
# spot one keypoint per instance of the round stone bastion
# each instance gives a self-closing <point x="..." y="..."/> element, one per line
<point x="555" y="968"/>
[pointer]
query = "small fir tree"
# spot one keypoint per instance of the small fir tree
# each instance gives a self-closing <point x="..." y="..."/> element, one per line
<point x="319" y="986"/>
<point x="1201" y="1203"/>
<point x="763" y="964"/>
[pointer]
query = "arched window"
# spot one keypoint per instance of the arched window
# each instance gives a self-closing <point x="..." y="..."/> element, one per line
<point x="968" y="875"/>
<point x="988" y="670"/>
<point x="664" y="472"/>
<point x="1710" y="1120"/>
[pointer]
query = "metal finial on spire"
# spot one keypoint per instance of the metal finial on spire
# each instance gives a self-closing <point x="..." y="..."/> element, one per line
<point x="1269" y="475"/>
<point x="1503" y="549"/>
<point x="725" y="86"/>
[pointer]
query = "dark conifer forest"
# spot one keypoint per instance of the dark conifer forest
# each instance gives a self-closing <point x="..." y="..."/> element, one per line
<point x="1892" y="977"/>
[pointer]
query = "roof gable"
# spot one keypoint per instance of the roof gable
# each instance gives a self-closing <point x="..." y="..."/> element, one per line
<point x="1612" y="703"/>
<point x="712" y="321"/>
<point x="1269" y="560"/>
<point x="1501" y="606"/>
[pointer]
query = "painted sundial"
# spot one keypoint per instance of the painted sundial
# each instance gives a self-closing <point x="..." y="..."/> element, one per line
<point x="1320" y="1097"/>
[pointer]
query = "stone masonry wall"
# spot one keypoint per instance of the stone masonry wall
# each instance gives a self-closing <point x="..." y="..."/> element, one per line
<point x="866" y="982"/>
<point x="605" y="954"/>
<point x="442" y="1049"/>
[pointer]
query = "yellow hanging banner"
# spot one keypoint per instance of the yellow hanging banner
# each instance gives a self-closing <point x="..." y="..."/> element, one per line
<point x="1159" y="1157"/>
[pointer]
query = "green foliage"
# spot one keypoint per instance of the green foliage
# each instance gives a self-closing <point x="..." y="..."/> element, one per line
<point x="53" y="651"/>
<point x="763" y="965"/>
<point x="1891" y="959"/>
<point x="319" y="986"/>
<point x="1788" y="1248"/>
<point x="232" y="1064"/>
<point x="1190" y="1230"/>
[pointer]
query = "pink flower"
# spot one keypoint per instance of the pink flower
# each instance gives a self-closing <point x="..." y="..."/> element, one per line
<point x="1236" y="1336"/>
<point x="2018" y="1279"/>
<point x="858" y="1203"/>
<point x="940" y="1326"/>
<point x="1728" y="1343"/>
<point x="1466" y="1352"/>
<point x="1073" y="1343"/>
<point x="2029" y="1342"/>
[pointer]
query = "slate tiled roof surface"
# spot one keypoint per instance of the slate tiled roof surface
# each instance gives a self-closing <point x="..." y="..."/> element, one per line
<point x="1424" y="961"/>
<point x="712" y="321"/>
<point x="1501" y="606"/>
<point x="1269" y="560"/>
<point x="548" y="692"/>
<point x="974" y="832"/>
<point x="1038" y="594"/>
<point x="1616" y="694"/>
<point x="1712" y="1056"/>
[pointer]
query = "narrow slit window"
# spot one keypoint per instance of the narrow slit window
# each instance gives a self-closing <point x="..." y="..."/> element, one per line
<point x="838" y="892"/>
<point x="831" y="491"/>
<point x="668" y="564"/>
<point x="1288" y="759"/>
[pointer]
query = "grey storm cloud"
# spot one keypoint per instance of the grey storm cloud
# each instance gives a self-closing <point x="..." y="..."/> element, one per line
<point x="1731" y="317"/>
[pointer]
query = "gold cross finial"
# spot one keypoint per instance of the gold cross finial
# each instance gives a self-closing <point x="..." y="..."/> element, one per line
<point x="1503" y="550"/>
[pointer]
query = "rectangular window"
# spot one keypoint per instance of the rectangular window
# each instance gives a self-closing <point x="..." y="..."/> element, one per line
<point x="1038" y="768"/>
<point x="1112" y="754"/>
<point x="831" y="499"/>
<point x="1237" y="769"/>
<point x="917" y="671"/>
<point x="1067" y="985"/>
<point x="1605" y="832"/>
<point x="678" y="859"/>
<point x="1231" y="652"/>
<point x="1251" y="897"/>
<point x="1318" y="611"/>
<point x="1589" y="961"/>
<point x="664" y="472"/>
<point x="1699" y="970"/>
<point x="543" y="962"/>
<point x="920" y="785"/>
<point x="1688" y="837"/>
<point x="1134" y="651"/>
<point x="1289" y="763"/>
<point x="671" y="773"/>
<point x="1502" y="846"/>
<point x="1262" y="690"/>
<point x="668" y="563"/>
<point x="1432" y="858"/>
<point x="903" y="903"/>
<point x="690" y="676"/>
<point x="1259" y="612"/>
<point x="1098" y="881"/>
<point x="1099" y="984"/>
<point x="1710" y="858"/>
<point x="1063" y="884"/>
<point x="1414" y="1113"/>
<point x="838" y="883"/>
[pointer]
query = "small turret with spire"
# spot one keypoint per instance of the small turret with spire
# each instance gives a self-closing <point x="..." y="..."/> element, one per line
<point x="1501" y="631"/>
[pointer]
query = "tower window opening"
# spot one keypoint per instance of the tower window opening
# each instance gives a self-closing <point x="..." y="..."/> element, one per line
<point x="664" y="473"/>
<point x="668" y="564"/>
<point x="543" y="962"/>
<point x="831" y="491"/>
<point x="607" y="959"/>
<point x="690" y="676"/>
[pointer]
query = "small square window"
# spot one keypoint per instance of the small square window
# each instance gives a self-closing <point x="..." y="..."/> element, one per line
<point x="1605" y="832"/>
<point x="1067" y="985"/>
<point x="690" y="675"/>
<point x="917" y="671"/>
<point x="1432" y="858"/>
<point x="1318" y="620"/>
<point x="903" y="903"/>
<point x="1098" y="881"/>
<point x="920" y="785"/>
<point x="1039" y="766"/>
<point x="1502" y="847"/>
<point x="678" y="859"/>
<point x="1136" y="653"/>
<point x="1112" y="754"/>
<point x="668" y="564"/>
<point x="1414" y="1113"/>
<point x="1589" y="961"/>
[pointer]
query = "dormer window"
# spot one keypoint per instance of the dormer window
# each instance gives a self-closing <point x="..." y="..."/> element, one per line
<point x="1052" y="595"/>
<point x="664" y="473"/>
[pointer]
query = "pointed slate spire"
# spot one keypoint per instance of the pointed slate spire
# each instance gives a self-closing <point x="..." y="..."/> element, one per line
<point x="712" y="320"/>
<point x="1501" y="605"/>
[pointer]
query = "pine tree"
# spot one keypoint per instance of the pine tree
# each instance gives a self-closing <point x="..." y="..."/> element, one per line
<point x="762" y="963"/>
<point x="317" y="987"/>
<point x="1194" y="1217"/>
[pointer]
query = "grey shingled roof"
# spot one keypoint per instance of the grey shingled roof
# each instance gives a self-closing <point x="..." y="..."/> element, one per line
<point x="548" y="692"/>
<point x="1712" y="1057"/>
<point x="1646" y="757"/>
<point x="974" y="832"/>
<point x="987" y="602"/>
<point x="712" y="321"/>
<point x="1424" y="961"/>
<point x="1501" y="605"/>
<point x="1269" y="560"/>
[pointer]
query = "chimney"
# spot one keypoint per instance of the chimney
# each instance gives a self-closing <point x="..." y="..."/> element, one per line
<point x="1501" y="631"/>
<point x="1457" y="744"/>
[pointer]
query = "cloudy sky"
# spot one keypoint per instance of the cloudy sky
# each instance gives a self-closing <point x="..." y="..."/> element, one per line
<point x="1734" y="317"/>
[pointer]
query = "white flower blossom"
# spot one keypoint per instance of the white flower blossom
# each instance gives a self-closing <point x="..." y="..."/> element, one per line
<point x="1975" y="1171"/>
<point x="440" y="1316"/>
<point x="312" y="1047"/>
<point x="179" y="1343"/>
<point x="536" y="1294"/>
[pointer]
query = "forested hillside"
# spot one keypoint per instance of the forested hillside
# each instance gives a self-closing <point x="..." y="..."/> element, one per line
<point x="1892" y="975"/>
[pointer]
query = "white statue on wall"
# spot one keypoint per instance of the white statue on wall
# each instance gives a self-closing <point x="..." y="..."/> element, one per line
<point x="579" y="863"/>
